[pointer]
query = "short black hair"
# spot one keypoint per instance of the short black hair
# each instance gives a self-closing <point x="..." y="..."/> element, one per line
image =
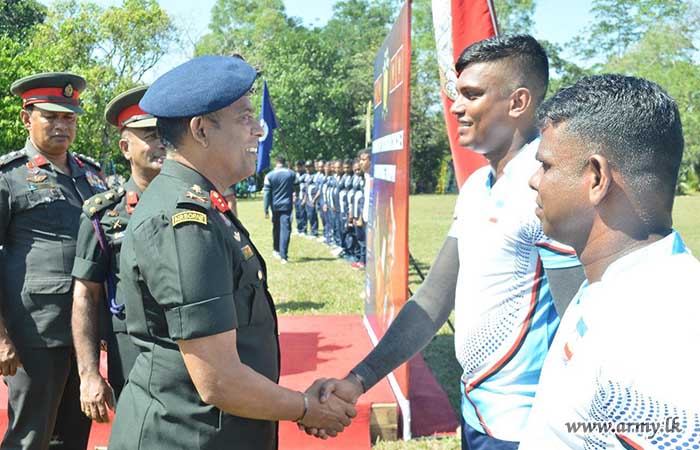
<point x="171" y="130"/>
<point x="631" y="121"/>
<point x="279" y="159"/>
<point x="364" y="151"/>
<point x="526" y="59"/>
<point x="299" y="163"/>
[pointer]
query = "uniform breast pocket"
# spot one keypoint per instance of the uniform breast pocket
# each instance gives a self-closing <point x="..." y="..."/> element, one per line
<point x="43" y="204"/>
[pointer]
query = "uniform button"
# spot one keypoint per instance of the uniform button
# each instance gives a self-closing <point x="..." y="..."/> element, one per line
<point x="260" y="275"/>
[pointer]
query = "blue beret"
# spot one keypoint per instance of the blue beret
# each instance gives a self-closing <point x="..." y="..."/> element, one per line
<point x="199" y="86"/>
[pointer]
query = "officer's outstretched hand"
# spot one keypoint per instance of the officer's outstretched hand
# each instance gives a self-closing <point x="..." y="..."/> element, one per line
<point x="9" y="359"/>
<point x="96" y="396"/>
<point x="332" y="416"/>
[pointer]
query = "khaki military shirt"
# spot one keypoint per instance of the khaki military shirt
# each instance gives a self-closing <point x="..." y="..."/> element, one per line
<point x="112" y="210"/>
<point x="39" y="218"/>
<point x="188" y="270"/>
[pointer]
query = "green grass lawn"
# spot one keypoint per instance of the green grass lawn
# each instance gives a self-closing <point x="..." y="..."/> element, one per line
<point x="315" y="282"/>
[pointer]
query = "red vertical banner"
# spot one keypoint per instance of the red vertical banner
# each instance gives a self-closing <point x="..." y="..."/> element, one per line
<point x="458" y="24"/>
<point x="387" y="239"/>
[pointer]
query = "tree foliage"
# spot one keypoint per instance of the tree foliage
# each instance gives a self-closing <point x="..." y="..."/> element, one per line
<point x="657" y="40"/>
<point x="112" y="48"/>
<point x="18" y="17"/>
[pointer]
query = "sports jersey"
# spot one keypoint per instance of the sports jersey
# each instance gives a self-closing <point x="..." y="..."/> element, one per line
<point x="621" y="373"/>
<point x="505" y="316"/>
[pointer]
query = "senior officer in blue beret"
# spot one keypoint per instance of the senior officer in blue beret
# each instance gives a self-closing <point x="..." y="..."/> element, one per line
<point x="195" y="286"/>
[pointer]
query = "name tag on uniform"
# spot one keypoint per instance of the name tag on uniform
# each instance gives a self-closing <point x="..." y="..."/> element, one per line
<point x="189" y="216"/>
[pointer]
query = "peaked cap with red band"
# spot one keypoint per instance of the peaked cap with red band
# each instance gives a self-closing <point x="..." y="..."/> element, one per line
<point x="51" y="91"/>
<point x="124" y="111"/>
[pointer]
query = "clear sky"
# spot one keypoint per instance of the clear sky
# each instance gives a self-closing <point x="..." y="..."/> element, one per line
<point x="555" y="20"/>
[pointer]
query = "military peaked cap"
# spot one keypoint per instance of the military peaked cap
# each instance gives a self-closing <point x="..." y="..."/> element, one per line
<point x="124" y="110"/>
<point x="51" y="91"/>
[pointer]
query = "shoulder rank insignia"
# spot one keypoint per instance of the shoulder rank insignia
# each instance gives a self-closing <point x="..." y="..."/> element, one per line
<point x="81" y="159"/>
<point x="189" y="216"/>
<point x="12" y="156"/>
<point x="101" y="202"/>
<point x="190" y="199"/>
<point x="196" y="197"/>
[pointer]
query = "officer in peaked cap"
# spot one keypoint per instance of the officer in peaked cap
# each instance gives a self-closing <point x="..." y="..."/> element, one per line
<point x="96" y="268"/>
<point x="195" y="286"/>
<point x="42" y="190"/>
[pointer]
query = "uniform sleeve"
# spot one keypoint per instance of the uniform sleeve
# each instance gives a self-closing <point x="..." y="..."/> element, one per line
<point x="5" y="208"/>
<point x="5" y="214"/>
<point x="90" y="263"/>
<point x="266" y="194"/>
<point x="188" y="269"/>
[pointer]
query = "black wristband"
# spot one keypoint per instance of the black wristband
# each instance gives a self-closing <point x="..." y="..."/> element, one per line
<point x="361" y="380"/>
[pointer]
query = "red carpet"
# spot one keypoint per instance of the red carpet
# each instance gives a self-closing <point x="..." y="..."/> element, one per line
<point x="329" y="346"/>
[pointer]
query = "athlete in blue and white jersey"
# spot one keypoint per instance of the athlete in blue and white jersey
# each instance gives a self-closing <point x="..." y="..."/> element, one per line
<point x="489" y="267"/>
<point x="621" y="373"/>
<point x="504" y="313"/>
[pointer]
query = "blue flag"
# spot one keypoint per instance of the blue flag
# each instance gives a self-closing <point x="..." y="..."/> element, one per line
<point x="269" y="123"/>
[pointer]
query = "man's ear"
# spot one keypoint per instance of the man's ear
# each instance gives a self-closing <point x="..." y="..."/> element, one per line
<point x="600" y="176"/>
<point x="520" y="102"/>
<point x="25" y="116"/>
<point x="198" y="132"/>
<point x="124" y="148"/>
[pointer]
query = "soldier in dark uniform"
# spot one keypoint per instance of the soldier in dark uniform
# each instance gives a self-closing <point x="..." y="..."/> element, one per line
<point x="42" y="189"/>
<point x="195" y="286"/>
<point x="96" y="268"/>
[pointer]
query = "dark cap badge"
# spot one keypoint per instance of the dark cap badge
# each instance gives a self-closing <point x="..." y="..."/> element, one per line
<point x="68" y="90"/>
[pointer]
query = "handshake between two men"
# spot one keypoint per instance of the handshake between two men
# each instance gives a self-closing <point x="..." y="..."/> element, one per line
<point x="330" y="405"/>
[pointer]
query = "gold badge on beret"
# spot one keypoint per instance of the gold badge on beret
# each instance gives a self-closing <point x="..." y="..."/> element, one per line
<point x="68" y="90"/>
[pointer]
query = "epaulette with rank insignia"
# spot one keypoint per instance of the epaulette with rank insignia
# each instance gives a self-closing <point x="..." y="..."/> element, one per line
<point x="88" y="160"/>
<point x="197" y="201"/>
<point x="194" y="196"/>
<point x="12" y="156"/>
<point x="102" y="201"/>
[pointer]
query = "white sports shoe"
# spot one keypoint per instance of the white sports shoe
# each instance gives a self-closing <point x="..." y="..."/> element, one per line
<point x="276" y="254"/>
